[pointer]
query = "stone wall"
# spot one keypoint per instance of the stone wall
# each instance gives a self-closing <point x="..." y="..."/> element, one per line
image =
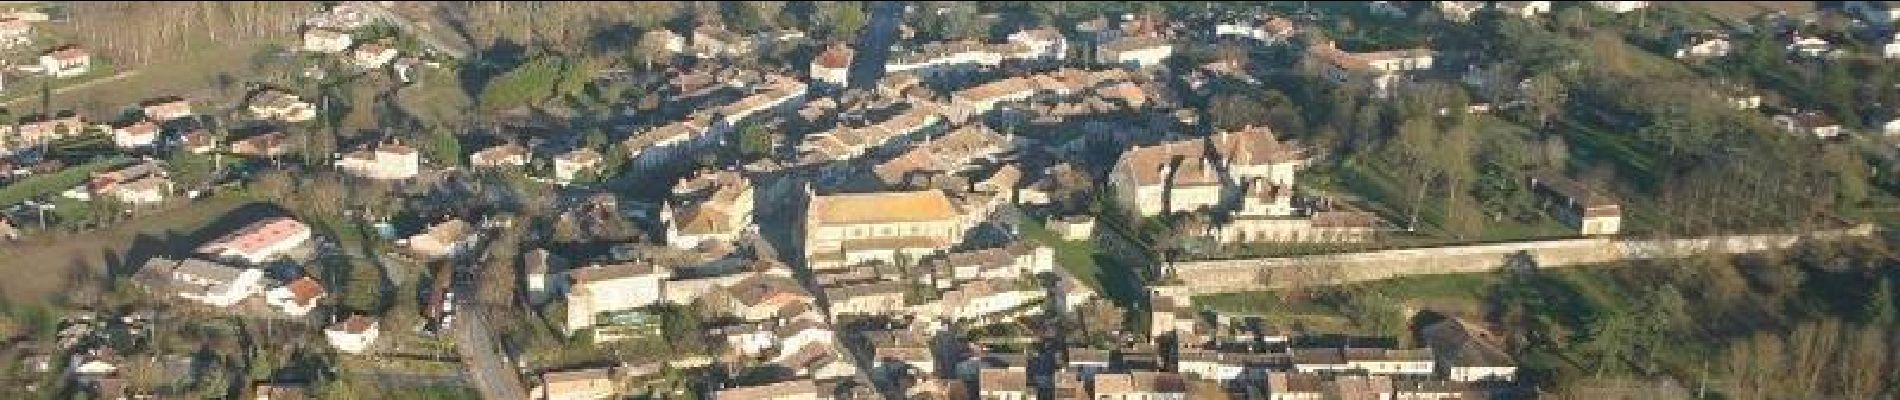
<point x="1221" y="276"/>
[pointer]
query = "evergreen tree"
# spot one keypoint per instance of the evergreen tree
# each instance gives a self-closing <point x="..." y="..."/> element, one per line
<point x="1880" y="309"/>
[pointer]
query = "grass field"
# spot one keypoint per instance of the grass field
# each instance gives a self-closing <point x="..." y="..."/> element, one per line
<point x="1582" y="292"/>
<point x="1742" y="10"/>
<point x="42" y="265"/>
<point x="1111" y="279"/>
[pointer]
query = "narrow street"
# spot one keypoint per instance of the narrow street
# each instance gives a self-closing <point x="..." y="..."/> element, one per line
<point x="874" y="43"/>
<point x="420" y="32"/>
<point x="488" y="369"/>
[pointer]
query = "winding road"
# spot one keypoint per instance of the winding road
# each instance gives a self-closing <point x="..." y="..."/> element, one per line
<point x="420" y="31"/>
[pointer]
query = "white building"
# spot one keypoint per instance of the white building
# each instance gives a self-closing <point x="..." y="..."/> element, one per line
<point x="833" y="66"/>
<point x="297" y="298"/>
<point x="1043" y="44"/>
<point x="319" y="40"/>
<point x="1137" y="52"/>
<point x="385" y="162"/>
<point x="141" y="134"/>
<point x="260" y="241"/>
<point x="606" y="288"/>
<point x="353" y="335"/>
<point x="372" y="55"/>
<point x="1467" y="353"/>
<point x="1620" y="7"/>
<point x="570" y="166"/>
<point x="206" y="282"/>
<point x="1705" y="47"/>
<point x="66" y="62"/>
<point x="282" y="106"/>
<point x="1524" y="9"/>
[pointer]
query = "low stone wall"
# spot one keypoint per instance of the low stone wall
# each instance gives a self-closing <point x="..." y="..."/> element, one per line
<point x="1222" y="276"/>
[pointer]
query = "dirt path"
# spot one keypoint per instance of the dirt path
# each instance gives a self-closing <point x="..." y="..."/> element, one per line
<point x="77" y="86"/>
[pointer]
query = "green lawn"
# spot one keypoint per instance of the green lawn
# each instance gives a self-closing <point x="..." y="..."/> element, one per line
<point x="1118" y="282"/>
<point x="1573" y="294"/>
<point x="45" y="184"/>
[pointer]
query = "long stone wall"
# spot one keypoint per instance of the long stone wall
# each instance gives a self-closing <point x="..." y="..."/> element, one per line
<point x="1222" y="276"/>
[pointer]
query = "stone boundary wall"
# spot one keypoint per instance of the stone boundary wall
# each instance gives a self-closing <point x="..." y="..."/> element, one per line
<point x="1240" y="275"/>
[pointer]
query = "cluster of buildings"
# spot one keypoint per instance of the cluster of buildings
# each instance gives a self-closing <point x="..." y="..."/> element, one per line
<point x="333" y="32"/>
<point x="1459" y="360"/>
<point x="1247" y="174"/>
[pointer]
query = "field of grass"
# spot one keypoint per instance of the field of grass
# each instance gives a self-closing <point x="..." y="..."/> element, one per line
<point x="41" y="265"/>
<point x="1118" y="282"/>
<point x="1742" y="10"/>
<point x="1457" y="293"/>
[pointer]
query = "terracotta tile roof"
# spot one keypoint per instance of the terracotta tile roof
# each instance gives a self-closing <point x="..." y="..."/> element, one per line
<point x="305" y="291"/>
<point x="599" y="273"/>
<point x="1576" y="193"/>
<point x="257" y="236"/>
<point x="1134" y="43"/>
<point x="1331" y="54"/>
<point x="1003" y="380"/>
<point x="1149" y="165"/>
<point x="1294" y="382"/>
<point x="355" y="324"/>
<point x="1465" y="345"/>
<point x="498" y="154"/>
<point x="781" y="390"/>
<point x="882" y="207"/>
<point x="261" y="145"/>
<point x="69" y="53"/>
<point x="836" y="56"/>
<point x="581" y="156"/>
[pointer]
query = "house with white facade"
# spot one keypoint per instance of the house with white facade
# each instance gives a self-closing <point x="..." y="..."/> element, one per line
<point x="850" y="228"/>
<point x="372" y="55"/>
<point x="280" y="105"/>
<point x="354" y="334"/>
<point x="1468" y="353"/>
<point x="450" y="238"/>
<point x="1589" y="210"/>
<point x="136" y="135"/>
<point x="1809" y="123"/>
<point x="1382" y="69"/>
<point x="141" y="183"/>
<point x="604" y="288"/>
<point x="1135" y="52"/>
<point x="1620" y="7"/>
<point x="1523" y="9"/>
<point x="205" y="282"/>
<point x="1705" y="46"/>
<point x="66" y="62"/>
<point x="319" y="40"/>
<point x="505" y="155"/>
<point x="833" y="66"/>
<point x="389" y="161"/>
<point x="569" y="166"/>
<point x="1041" y="44"/>
<point x="711" y="207"/>
<point x="297" y="298"/>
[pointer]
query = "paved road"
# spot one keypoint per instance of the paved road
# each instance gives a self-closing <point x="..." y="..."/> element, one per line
<point x="874" y="43"/>
<point x="487" y="369"/>
<point x="490" y="374"/>
<point x="419" y="31"/>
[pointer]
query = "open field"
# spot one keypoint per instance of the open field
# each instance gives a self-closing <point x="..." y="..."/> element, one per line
<point x="40" y="266"/>
<point x="1113" y="280"/>
<point x="1741" y="10"/>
